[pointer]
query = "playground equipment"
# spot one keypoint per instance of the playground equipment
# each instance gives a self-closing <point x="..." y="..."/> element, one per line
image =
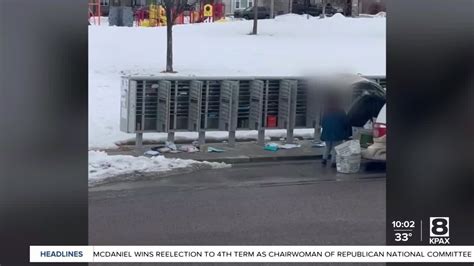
<point x="151" y="16"/>
<point x="154" y="15"/>
<point x="94" y="12"/>
<point x="208" y="13"/>
<point x="219" y="11"/>
<point x="212" y="12"/>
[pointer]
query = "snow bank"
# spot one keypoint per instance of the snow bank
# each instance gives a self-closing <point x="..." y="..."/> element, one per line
<point x="99" y="21"/>
<point x="291" y="18"/>
<point x="288" y="45"/>
<point x="214" y="136"/>
<point x="381" y="14"/>
<point x="336" y="16"/>
<point x="103" y="166"/>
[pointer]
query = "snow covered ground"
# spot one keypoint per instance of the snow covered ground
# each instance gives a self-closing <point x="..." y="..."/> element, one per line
<point x="103" y="166"/>
<point x="288" y="45"/>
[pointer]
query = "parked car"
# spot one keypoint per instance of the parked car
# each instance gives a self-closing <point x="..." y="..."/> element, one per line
<point x="248" y="13"/>
<point x="316" y="10"/>
<point x="378" y="150"/>
<point x="367" y="116"/>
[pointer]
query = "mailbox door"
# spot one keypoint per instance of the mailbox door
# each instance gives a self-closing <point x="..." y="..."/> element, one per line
<point x="256" y="104"/>
<point x="128" y="106"/>
<point x="163" y="110"/>
<point x="294" y="93"/>
<point x="195" y="102"/>
<point x="313" y="107"/>
<point x="235" y="105"/>
<point x="287" y="104"/>
<point x="228" y="105"/>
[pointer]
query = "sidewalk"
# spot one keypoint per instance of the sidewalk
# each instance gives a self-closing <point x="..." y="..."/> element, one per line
<point x="243" y="152"/>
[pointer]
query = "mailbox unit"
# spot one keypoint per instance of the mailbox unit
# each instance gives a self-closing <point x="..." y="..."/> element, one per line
<point x="171" y="104"/>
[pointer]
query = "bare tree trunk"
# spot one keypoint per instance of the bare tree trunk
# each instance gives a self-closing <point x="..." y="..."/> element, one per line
<point x="323" y="14"/>
<point x="306" y="7"/>
<point x="272" y="8"/>
<point x="255" y="17"/>
<point x="169" y="41"/>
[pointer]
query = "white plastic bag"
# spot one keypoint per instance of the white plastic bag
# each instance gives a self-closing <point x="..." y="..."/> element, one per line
<point x="348" y="157"/>
<point x="348" y="148"/>
<point x="188" y="148"/>
<point x="348" y="164"/>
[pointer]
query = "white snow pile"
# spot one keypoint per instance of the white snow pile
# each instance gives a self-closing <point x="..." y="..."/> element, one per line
<point x="381" y="14"/>
<point x="99" y="21"/>
<point x="288" y="45"/>
<point x="292" y="18"/>
<point x="337" y="16"/>
<point x="103" y="166"/>
<point x="217" y="136"/>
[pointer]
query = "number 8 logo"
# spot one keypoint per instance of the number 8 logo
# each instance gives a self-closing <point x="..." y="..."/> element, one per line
<point x="439" y="226"/>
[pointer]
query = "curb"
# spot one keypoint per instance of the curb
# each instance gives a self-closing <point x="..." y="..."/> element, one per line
<point x="246" y="159"/>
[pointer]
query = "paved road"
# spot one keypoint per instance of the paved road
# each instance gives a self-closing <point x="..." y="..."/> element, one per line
<point x="284" y="203"/>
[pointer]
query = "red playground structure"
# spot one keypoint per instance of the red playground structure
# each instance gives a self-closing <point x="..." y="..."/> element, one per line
<point x="94" y="12"/>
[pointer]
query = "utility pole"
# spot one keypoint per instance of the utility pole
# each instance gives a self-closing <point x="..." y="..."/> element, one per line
<point x="306" y="7"/>
<point x="291" y="6"/>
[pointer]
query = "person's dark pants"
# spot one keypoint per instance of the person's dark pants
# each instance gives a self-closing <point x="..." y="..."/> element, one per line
<point x="329" y="150"/>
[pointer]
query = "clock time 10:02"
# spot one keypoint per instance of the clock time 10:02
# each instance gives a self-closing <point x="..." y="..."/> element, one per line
<point x="403" y="224"/>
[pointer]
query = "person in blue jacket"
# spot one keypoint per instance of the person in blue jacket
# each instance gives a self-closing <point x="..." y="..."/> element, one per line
<point x="336" y="128"/>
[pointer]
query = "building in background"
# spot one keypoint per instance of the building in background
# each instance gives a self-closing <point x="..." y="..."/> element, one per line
<point x="105" y="4"/>
<point x="233" y="5"/>
<point x="280" y="6"/>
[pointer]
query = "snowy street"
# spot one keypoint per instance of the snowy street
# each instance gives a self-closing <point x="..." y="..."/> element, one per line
<point x="279" y="203"/>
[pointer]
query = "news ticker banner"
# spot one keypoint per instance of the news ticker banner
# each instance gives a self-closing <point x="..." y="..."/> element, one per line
<point x="249" y="254"/>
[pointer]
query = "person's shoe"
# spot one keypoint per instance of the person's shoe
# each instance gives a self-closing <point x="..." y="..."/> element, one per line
<point x="324" y="162"/>
<point x="333" y="165"/>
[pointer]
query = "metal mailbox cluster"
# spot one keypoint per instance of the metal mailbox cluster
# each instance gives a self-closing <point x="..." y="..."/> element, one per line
<point x="207" y="104"/>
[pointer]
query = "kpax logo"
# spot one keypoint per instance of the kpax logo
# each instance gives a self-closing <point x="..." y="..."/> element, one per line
<point x="439" y="230"/>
